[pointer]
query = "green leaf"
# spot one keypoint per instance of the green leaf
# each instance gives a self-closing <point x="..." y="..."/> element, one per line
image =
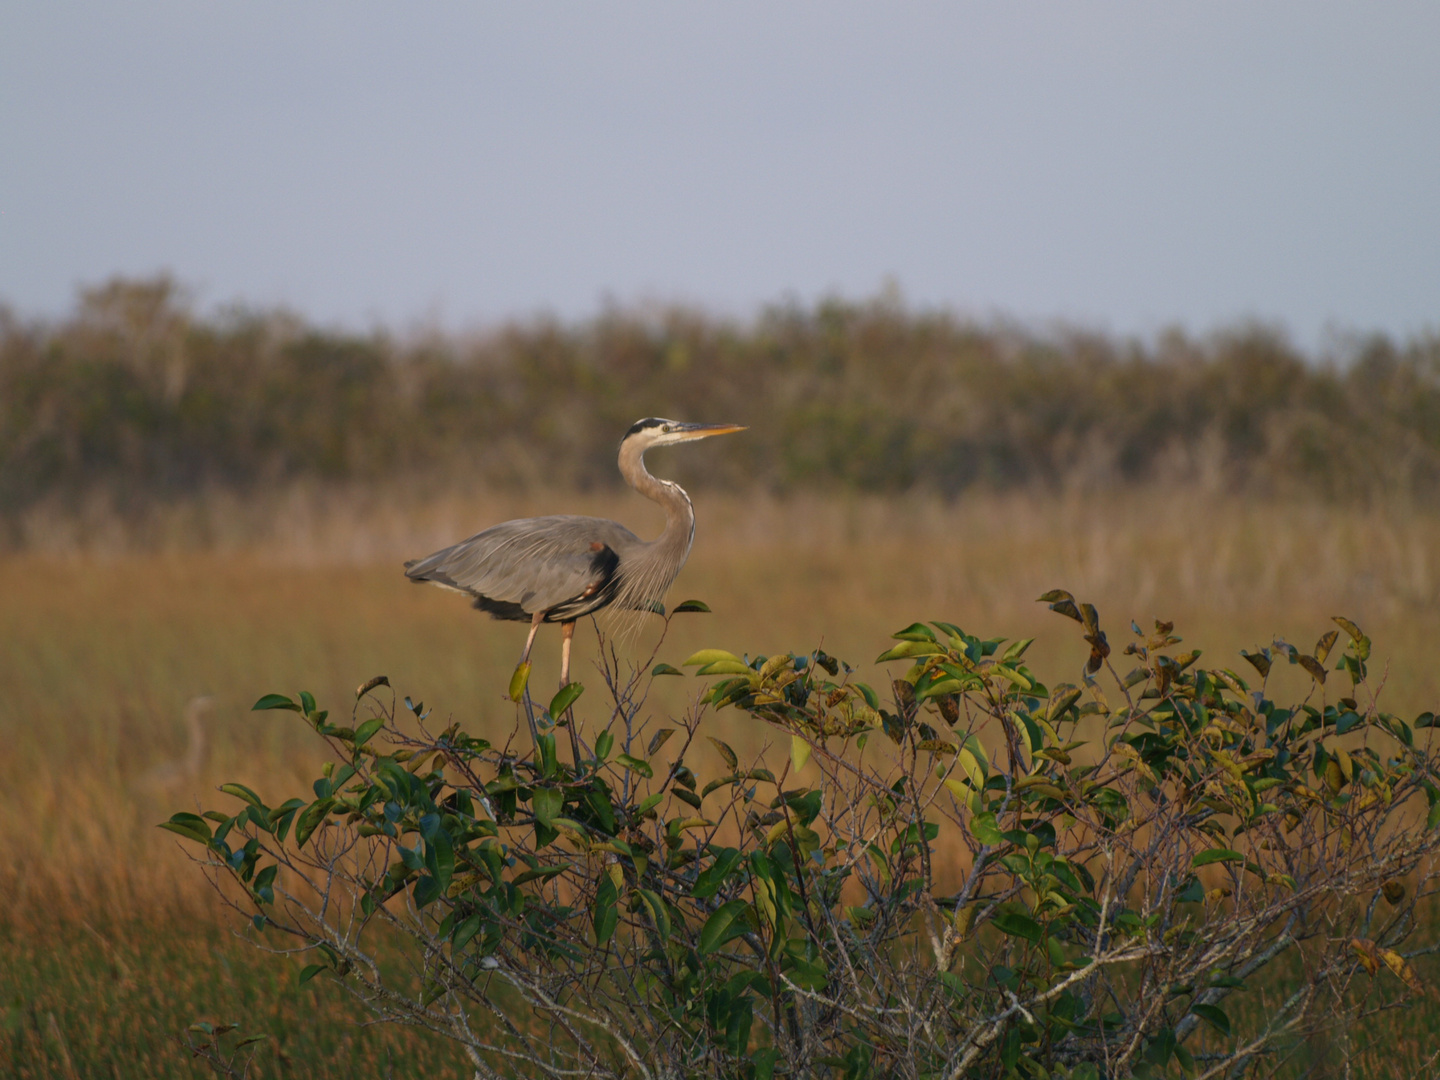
<point x="915" y="632"/>
<point x="543" y="873"/>
<point x="310" y="819"/>
<point x="565" y="698"/>
<point x="692" y="605"/>
<point x="1017" y="650"/>
<point x="190" y="826"/>
<point x="1162" y="1046"/>
<point x="547" y="803"/>
<point x="366" y="731"/>
<point x="657" y="912"/>
<point x="714" y="875"/>
<point x="1021" y="926"/>
<point x="940" y="689"/>
<point x="309" y="972"/>
<point x="425" y="891"/>
<point x="603" y="744"/>
<point x="1348" y="721"/>
<point x="764" y="1060"/>
<point x="1214" y="855"/>
<point x="664" y="669"/>
<point x="985" y="829"/>
<point x="440" y="859"/>
<point x="799" y="752"/>
<point x="240" y="791"/>
<point x="463" y="933"/>
<point x="606" y="917"/>
<point x="1214" y="1016"/>
<point x="907" y="649"/>
<point x="519" y="680"/>
<point x="274" y="701"/>
<point x="725" y="924"/>
<point x="710" y="656"/>
<point x="307" y="702"/>
<point x="636" y="765"/>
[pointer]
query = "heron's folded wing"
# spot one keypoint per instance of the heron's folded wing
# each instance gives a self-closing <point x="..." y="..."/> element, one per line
<point x="536" y="563"/>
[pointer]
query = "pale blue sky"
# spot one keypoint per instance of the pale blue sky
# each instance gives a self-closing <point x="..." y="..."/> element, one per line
<point x="1121" y="165"/>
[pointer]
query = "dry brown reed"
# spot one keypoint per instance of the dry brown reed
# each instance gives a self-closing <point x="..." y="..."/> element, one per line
<point x="107" y="644"/>
<point x="108" y="634"/>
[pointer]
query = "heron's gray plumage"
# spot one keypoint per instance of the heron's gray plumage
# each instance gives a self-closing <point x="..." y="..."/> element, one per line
<point x="565" y="566"/>
<point x="561" y="568"/>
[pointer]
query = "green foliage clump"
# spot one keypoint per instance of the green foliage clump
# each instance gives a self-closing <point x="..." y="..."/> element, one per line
<point x="138" y="397"/>
<point x="980" y="876"/>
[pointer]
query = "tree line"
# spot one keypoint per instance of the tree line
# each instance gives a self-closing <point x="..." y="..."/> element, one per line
<point x="136" y="393"/>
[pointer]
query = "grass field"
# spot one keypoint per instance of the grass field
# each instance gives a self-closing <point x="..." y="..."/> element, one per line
<point x="108" y="949"/>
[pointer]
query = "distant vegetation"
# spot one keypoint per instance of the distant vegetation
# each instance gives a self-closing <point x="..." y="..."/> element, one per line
<point x="139" y="397"/>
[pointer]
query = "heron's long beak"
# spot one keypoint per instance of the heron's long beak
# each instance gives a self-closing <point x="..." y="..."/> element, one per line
<point x="704" y="431"/>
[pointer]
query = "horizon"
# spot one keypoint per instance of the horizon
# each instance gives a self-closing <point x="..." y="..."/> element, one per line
<point x="1332" y="344"/>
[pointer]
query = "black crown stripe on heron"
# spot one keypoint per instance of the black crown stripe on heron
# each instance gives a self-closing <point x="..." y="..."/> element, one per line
<point x="563" y="567"/>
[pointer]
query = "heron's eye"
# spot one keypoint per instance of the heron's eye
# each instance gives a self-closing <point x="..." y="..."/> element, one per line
<point x="668" y="429"/>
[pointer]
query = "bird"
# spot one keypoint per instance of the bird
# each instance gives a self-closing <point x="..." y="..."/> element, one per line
<point x="563" y="567"/>
<point x="170" y="774"/>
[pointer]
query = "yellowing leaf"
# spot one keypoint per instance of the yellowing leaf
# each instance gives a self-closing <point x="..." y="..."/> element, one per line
<point x="1347" y="767"/>
<point x="776" y="664"/>
<point x="1402" y="970"/>
<point x="710" y="656"/>
<point x="724" y="667"/>
<point x="973" y="770"/>
<point x="799" y="752"/>
<point x="957" y="788"/>
<point x="519" y="680"/>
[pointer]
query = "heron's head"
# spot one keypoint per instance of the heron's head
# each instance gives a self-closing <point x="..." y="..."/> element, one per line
<point x="654" y="431"/>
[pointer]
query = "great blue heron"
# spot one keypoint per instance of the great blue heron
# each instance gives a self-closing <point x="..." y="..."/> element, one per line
<point x="561" y="568"/>
<point x="170" y="774"/>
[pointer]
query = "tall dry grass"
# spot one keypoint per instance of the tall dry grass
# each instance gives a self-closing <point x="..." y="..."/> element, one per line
<point x="109" y="634"/>
<point x="106" y="646"/>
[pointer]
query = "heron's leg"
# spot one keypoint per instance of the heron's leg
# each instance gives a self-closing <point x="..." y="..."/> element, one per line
<point x="535" y="621"/>
<point x="567" y="633"/>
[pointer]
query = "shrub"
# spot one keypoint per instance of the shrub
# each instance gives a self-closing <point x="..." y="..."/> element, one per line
<point x="138" y="398"/>
<point x="984" y="876"/>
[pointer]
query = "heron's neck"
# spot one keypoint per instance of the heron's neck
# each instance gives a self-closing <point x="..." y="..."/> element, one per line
<point x="197" y="751"/>
<point x="679" y="513"/>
